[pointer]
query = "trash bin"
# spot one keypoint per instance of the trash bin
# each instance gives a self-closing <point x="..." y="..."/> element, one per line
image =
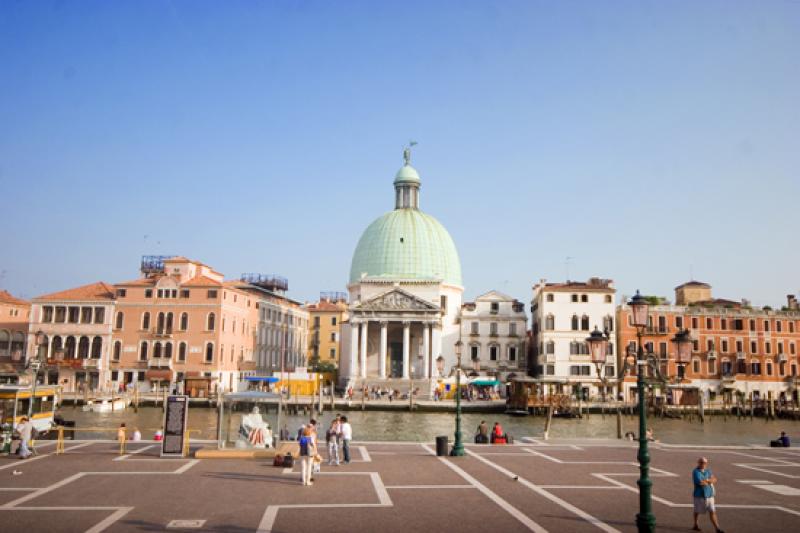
<point x="441" y="446"/>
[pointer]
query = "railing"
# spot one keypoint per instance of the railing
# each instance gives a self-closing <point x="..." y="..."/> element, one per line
<point x="160" y="362"/>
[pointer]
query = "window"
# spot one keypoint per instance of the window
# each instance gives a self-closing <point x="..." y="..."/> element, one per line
<point x="117" y="350"/>
<point x="443" y="302"/>
<point x="550" y="348"/>
<point x="791" y="327"/>
<point x="83" y="348"/>
<point x="333" y="353"/>
<point x="143" y="351"/>
<point x="316" y="321"/>
<point x="168" y="350"/>
<point x="778" y="326"/>
<point x="148" y="293"/>
<point x="473" y="328"/>
<point x="584" y="298"/>
<point x="495" y="308"/>
<point x="791" y="348"/>
<point x="333" y="336"/>
<point x="493" y="329"/>
<point x="120" y="320"/>
<point x="72" y="315"/>
<point x="753" y="347"/>
<point x="585" y="323"/>
<point x="727" y="368"/>
<point x="211" y="294"/>
<point x="550" y="323"/>
<point x="662" y="350"/>
<point x="768" y="347"/>
<point x="48" y="313"/>
<point x="574" y="298"/>
<point x="549" y="298"/>
<point x="608" y="323"/>
<point x="185" y="293"/>
<point x="709" y="323"/>
<point x="157" y="349"/>
<point x="146" y="321"/>
<point x="184" y="321"/>
<point x="609" y="300"/>
<point x="551" y="370"/>
<point x="61" y="313"/>
<point x="512" y="329"/>
<point x="739" y="346"/>
<point x="723" y="323"/>
<point x="610" y="348"/>
<point x="333" y="321"/>
<point x="752" y="325"/>
<point x="512" y="353"/>
<point x="710" y="345"/>
<point x="209" y="353"/>
<point x="210" y="323"/>
<point x="474" y="352"/>
<point x="769" y="368"/>
<point x="575" y="323"/>
<point x="766" y="325"/>
<point x="695" y="322"/>
<point x="493" y="352"/>
<point x="99" y="315"/>
<point x="724" y="346"/>
<point x="696" y="366"/>
<point x="160" y="323"/>
<point x="755" y="368"/>
<point x="182" y="351"/>
<point x="679" y="322"/>
<point x="169" y="322"/>
<point x="121" y="293"/>
<point x="712" y="366"/>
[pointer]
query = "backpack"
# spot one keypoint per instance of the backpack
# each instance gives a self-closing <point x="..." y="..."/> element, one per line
<point x="288" y="460"/>
<point x="278" y="460"/>
<point x="304" y="445"/>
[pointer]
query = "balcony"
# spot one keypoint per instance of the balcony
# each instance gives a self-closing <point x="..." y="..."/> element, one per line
<point x="782" y="358"/>
<point x="91" y="363"/>
<point x="160" y="362"/>
<point x="474" y="334"/>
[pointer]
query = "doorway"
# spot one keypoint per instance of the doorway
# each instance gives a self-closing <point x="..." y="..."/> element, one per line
<point x="396" y="359"/>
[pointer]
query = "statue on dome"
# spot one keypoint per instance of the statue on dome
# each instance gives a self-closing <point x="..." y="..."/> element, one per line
<point x="407" y="152"/>
<point x="254" y="432"/>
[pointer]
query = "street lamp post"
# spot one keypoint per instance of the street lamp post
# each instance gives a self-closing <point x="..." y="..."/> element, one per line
<point x="35" y="365"/>
<point x="458" y="446"/>
<point x="598" y="349"/>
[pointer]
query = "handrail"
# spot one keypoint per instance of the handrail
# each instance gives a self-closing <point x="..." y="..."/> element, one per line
<point x="122" y="443"/>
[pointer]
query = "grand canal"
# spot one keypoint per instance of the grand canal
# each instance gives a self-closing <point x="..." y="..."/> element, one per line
<point x="421" y="426"/>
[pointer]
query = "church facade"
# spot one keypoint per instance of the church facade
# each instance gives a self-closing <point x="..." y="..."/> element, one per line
<point x="405" y="295"/>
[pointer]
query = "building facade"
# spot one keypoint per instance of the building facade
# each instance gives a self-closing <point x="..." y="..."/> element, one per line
<point x="563" y="316"/>
<point x="736" y="349"/>
<point x="77" y="324"/>
<point x="325" y="328"/>
<point x="405" y="295"/>
<point x="493" y="330"/>
<point x="14" y="317"/>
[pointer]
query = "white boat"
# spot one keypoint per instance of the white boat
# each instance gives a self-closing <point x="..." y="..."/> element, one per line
<point x="106" y="405"/>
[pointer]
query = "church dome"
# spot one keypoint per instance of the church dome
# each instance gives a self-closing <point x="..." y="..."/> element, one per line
<point x="406" y="243"/>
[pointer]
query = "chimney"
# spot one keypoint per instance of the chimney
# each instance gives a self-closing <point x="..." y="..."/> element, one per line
<point x="791" y="301"/>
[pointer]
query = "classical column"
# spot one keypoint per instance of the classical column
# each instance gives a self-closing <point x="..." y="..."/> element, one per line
<point x="406" y="349"/>
<point x="364" y="329"/>
<point x="351" y="372"/>
<point x="384" y="340"/>
<point x="436" y="344"/>
<point x="426" y="350"/>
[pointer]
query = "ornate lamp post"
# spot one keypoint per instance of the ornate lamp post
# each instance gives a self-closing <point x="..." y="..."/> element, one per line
<point x="683" y="352"/>
<point x="598" y="349"/>
<point x="645" y="519"/>
<point x="458" y="446"/>
<point x="35" y="364"/>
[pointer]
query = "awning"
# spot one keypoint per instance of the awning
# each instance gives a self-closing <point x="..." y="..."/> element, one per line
<point x="158" y="375"/>
<point x="262" y="379"/>
<point x="485" y="382"/>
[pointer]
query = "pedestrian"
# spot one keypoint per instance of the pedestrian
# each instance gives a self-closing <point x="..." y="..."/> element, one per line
<point x="25" y="432"/>
<point x="122" y="437"/>
<point x="332" y="437"/>
<point x="347" y="436"/>
<point x="483" y="433"/>
<point x="137" y="435"/>
<point x="307" y="453"/>
<point x="703" y="494"/>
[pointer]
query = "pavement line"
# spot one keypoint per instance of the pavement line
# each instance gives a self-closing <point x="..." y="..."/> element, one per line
<point x="140" y="450"/>
<point x="365" y="454"/>
<point x="16" y="488"/>
<point x="109" y="520"/>
<point x="752" y="466"/>
<point x="553" y="498"/>
<point x="577" y="487"/>
<point x="22" y="462"/>
<point x="503" y="504"/>
<point x="415" y="487"/>
<point x="43" y="490"/>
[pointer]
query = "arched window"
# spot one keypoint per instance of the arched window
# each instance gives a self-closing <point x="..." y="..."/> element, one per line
<point x="83" y="348"/>
<point x="696" y="366"/>
<point x="575" y="323"/>
<point x="585" y="323"/>
<point x="182" y="351"/>
<point x="143" y="351"/>
<point x="573" y="348"/>
<point x="119" y="320"/>
<point x="97" y="347"/>
<point x="184" y="321"/>
<point x="550" y="323"/>
<point x="146" y="321"/>
<point x="212" y="318"/>
<point x="168" y="350"/>
<point x="169" y="322"/>
<point x="550" y="348"/>
<point x="117" y="350"/>
<point x="58" y="348"/>
<point x="160" y="323"/>
<point x="157" y="349"/>
<point x="210" y="351"/>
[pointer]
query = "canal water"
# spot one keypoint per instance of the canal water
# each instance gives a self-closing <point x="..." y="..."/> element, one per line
<point x="421" y="426"/>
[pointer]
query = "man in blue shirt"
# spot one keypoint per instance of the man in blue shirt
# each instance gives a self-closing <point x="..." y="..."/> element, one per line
<point x="784" y="438"/>
<point x="703" y="494"/>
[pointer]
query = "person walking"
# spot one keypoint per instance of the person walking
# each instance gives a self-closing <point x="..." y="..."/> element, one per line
<point x="332" y="437"/>
<point x="25" y="432"/>
<point x="122" y="437"/>
<point x="307" y="452"/>
<point x="703" y="494"/>
<point x="347" y="436"/>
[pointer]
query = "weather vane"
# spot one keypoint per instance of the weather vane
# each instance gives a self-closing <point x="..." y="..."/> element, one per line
<point x="407" y="152"/>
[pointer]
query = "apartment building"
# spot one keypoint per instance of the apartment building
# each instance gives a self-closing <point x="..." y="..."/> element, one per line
<point x="14" y="317"/>
<point x="493" y="330"/>
<point x="563" y="315"/>
<point x="325" y="328"/>
<point x="736" y="348"/>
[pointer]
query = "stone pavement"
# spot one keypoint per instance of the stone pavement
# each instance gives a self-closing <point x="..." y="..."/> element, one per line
<point x="395" y="487"/>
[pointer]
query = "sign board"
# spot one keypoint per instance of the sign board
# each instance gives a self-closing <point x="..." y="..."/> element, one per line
<point x="175" y="418"/>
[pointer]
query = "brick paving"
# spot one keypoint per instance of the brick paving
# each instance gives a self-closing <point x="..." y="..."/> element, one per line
<point x="395" y="487"/>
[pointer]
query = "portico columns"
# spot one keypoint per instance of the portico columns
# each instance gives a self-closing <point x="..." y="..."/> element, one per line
<point x="384" y="340"/>
<point x="353" y="348"/>
<point x="364" y="327"/>
<point x="436" y="349"/>
<point x="426" y="350"/>
<point x="406" y="349"/>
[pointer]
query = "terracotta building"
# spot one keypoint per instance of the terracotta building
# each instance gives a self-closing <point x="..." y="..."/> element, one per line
<point x="14" y="317"/>
<point x="325" y="327"/>
<point x="77" y="327"/>
<point x="737" y="348"/>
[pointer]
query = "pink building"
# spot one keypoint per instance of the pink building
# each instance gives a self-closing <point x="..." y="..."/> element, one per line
<point x="14" y="316"/>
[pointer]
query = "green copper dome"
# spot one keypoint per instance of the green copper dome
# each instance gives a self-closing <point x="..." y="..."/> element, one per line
<point x="406" y="244"/>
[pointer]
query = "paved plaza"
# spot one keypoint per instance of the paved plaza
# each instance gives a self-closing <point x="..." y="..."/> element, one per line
<point x="394" y="487"/>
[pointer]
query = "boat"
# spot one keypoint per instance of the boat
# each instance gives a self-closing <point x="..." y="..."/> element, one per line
<point x="15" y="403"/>
<point x="105" y="405"/>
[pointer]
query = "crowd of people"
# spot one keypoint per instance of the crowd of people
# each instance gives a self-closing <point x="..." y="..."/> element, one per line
<point x="338" y="435"/>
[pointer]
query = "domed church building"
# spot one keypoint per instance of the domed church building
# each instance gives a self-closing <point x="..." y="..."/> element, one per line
<point x="405" y="296"/>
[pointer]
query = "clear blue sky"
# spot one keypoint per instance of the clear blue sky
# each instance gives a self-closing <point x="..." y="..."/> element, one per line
<point x="642" y="139"/>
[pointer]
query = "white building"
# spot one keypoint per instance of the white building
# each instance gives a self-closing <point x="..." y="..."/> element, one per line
<point x="405" y="295"/>
<point x="563" y="315"/>
<point x="493" y="330"/>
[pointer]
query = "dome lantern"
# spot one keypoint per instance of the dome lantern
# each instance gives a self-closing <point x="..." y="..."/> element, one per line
<point x="407" y="183"/>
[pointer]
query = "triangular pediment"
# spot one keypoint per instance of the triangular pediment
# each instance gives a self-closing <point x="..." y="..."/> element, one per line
<point x="396" y="300"/>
